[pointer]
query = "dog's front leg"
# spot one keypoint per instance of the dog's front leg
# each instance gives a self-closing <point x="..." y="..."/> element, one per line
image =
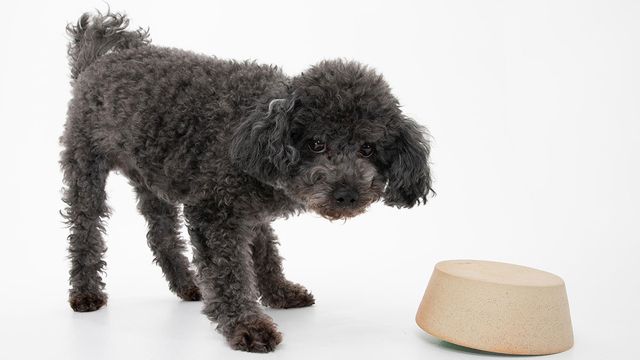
<point x="222" y="256"/>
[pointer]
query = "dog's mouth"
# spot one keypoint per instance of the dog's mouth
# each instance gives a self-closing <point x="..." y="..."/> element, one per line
<point x="338" y="214"/>
<point x="330" y="210"/>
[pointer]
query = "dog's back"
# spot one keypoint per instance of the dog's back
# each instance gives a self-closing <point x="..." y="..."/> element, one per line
<point x="158" y="114"/>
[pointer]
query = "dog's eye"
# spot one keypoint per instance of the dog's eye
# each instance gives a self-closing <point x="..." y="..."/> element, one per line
<point x="317" y="146"/>
<point x="366" y="150"/>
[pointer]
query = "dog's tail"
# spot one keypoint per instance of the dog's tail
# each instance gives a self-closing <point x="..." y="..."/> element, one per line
<point x="94" y="36"/>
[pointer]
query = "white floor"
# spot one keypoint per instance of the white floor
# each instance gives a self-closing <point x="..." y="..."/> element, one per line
<point x="367" y="291"/>
<point x="350" y="325"/>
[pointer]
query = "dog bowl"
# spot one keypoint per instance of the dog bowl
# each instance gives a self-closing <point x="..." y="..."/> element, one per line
<point x="497" y="307"/>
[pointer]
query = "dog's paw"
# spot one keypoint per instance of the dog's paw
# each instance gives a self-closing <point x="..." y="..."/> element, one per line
<point x="288" y="295"/>
<point x="255" y="334"/>
<point x="84" y="302"/>
<point x="189" y="293"/>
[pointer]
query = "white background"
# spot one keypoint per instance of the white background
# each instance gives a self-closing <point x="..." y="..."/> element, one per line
<point x="534" y="111"/>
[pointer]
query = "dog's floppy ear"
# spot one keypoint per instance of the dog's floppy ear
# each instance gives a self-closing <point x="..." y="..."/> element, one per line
<point x="408" y="173"/>
<point x="261" y="145"/>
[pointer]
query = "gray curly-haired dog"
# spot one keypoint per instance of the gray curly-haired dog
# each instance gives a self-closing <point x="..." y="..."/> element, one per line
<point x="238" y="144"/>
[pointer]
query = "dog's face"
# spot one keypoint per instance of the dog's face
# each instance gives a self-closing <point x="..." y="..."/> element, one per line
<point x="336" y="174"/>
<point x="336" y="142"/>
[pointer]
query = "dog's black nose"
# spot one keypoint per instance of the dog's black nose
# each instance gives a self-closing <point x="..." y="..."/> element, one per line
<point x="345" y="196"/>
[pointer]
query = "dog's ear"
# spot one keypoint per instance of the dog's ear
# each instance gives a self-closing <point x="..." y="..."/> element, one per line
<point x="408" y="173"/>
<point x="261" y="145"/>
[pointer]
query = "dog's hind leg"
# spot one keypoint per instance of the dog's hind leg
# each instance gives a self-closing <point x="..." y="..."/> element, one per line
<point x="275" y="290"/>
<point x="85" y="175"/>
<point x="168" y="247"/>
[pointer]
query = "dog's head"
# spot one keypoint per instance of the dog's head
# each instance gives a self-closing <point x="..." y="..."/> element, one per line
<point x="336" y="141"/>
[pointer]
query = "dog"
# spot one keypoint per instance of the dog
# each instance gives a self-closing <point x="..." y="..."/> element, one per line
<point x="237" y="144"/>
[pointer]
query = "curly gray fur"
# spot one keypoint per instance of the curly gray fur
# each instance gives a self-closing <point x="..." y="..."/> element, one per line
<point x="238" y="144"/>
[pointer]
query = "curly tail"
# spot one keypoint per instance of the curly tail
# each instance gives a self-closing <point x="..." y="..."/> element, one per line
<point x="94" y="36"/>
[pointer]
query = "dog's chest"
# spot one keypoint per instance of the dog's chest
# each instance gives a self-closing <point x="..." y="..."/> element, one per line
<point x="265" y="203"/>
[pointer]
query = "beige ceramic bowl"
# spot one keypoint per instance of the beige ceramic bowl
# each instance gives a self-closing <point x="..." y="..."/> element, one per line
<point x="497" y="307"/>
